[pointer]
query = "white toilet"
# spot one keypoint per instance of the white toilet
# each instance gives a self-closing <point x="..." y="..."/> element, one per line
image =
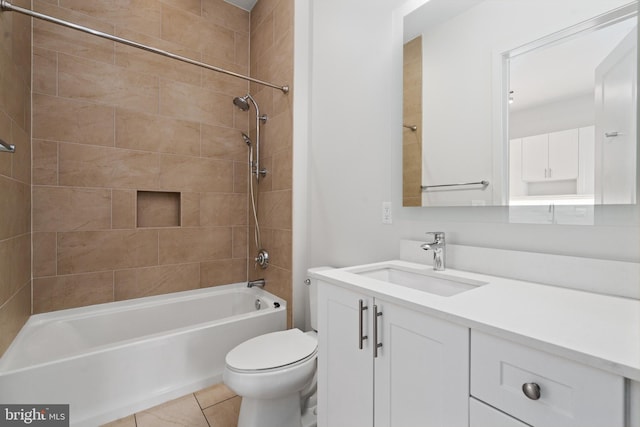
<point x="274" y="374"/>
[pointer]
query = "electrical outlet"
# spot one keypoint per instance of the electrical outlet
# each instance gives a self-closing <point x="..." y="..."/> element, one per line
<point x="386" y="213"/>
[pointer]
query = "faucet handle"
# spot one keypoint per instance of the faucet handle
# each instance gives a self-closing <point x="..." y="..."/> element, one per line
<point x="438" y="236"/>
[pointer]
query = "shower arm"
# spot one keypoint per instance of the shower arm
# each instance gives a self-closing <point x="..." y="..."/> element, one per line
<point x="5" y="5"/>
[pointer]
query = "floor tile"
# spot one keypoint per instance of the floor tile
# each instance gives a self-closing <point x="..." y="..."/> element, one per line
<point x="224" y="414"/>
<point x="184" y="411"/>
<point x="214" y="395"/>
<point x="129" y="421"/>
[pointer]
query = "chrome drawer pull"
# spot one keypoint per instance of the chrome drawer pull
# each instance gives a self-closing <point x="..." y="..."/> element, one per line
<point x="376" y="344"/>
<point x="361" y="335"/>
<point x="531" y="390"/>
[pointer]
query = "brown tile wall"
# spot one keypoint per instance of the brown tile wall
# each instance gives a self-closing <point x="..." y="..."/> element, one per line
<point x="272" y="60"/>
<point x="110" y="120"/>
<point x="412" y="116"/>
<point x="15" y="173"/>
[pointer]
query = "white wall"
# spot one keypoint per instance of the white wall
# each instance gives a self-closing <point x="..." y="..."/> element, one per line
<point x="301" y="132"/>
<point x="569" y="113"/>
<point x="355" y="158"/>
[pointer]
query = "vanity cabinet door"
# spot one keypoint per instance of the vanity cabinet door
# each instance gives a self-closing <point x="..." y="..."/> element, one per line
<point x="422" y="370"/>
<point x="345" y="372"/>
<point x="419" y="376"/>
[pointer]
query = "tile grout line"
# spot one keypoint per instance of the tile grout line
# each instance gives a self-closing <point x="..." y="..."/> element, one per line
<point x="202" y="410"/>
<point x="215" y="404"/>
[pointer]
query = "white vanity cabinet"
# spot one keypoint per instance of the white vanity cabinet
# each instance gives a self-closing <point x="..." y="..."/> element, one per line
<point x="393" y="352"/>
<point x="539" y="389"/>
<point x="384" y="365"/>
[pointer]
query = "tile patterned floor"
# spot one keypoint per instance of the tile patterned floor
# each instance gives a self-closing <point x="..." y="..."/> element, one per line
<point x="216" y="406"/>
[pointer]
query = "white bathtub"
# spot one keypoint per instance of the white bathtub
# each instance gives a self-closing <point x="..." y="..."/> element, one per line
<point x="111" y="360"/>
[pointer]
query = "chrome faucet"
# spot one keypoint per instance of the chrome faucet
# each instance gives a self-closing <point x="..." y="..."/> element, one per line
<point x="438" y="248"/>
<point x="259" y="283"/>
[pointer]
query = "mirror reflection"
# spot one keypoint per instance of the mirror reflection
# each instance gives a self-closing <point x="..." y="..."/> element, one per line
<point x="522" y="102"/>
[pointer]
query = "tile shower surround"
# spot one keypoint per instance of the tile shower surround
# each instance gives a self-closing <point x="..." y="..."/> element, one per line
<point x="15" y="174"/>
<point x="110" y="121"/>
<point x="412" y="116"/>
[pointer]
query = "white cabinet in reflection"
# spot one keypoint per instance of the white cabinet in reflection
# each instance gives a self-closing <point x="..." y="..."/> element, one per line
<point x="553" y="164"/>
<point x="550" y="157"/>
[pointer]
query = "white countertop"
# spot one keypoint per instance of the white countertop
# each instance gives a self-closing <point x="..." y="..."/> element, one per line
<point x="597" y="330"/>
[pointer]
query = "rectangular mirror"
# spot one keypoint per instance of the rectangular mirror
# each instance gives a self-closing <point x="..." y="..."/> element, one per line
<point x="520" y="102"/>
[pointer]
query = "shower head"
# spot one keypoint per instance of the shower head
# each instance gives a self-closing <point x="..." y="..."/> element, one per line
<point x="246" y="139"/>
<point x="241" y="102"/>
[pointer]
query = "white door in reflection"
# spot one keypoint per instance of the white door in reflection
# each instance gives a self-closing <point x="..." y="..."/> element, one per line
<point x="615" y="173"/>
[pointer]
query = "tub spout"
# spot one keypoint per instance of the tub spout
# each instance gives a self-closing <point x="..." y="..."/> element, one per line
<point x="260" y="283"/>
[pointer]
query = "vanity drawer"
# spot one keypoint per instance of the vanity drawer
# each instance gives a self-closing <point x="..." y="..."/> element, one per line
<point x="570" y="394"/>
<point x="481" y="415"/>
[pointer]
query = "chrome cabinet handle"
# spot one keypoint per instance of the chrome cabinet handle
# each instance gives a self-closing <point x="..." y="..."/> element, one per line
<point x="531" y="390"/>
<point x="361" y="336"/>
<point x="611" y="134"/>
<point x="376" y="344"/>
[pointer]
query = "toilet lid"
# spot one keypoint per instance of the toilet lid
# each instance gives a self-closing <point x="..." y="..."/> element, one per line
<point x="272" y="350"/>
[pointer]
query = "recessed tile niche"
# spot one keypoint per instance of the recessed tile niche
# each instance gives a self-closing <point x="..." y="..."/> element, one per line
<point x="158" y="209"/>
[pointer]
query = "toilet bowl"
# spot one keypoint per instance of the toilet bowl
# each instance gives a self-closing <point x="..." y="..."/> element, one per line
<point x="270" y="372"/>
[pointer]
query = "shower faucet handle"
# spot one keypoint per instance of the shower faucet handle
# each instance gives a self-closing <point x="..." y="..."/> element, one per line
<point x="262" y="259"/>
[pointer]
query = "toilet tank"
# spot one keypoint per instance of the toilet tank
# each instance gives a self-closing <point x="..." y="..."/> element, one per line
<point x="313" y="298"/>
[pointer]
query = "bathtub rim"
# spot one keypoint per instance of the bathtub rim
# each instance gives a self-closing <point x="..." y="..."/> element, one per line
<point x="125" y="305"/>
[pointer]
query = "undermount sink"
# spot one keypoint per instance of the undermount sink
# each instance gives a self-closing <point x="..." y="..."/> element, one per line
<point x="440" y="284"/>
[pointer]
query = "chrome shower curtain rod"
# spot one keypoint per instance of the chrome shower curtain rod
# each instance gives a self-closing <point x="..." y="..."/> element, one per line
<point x="6" y="5"/>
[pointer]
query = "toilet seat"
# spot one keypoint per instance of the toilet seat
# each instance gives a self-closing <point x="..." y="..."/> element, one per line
<point x="272" y="351"/>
